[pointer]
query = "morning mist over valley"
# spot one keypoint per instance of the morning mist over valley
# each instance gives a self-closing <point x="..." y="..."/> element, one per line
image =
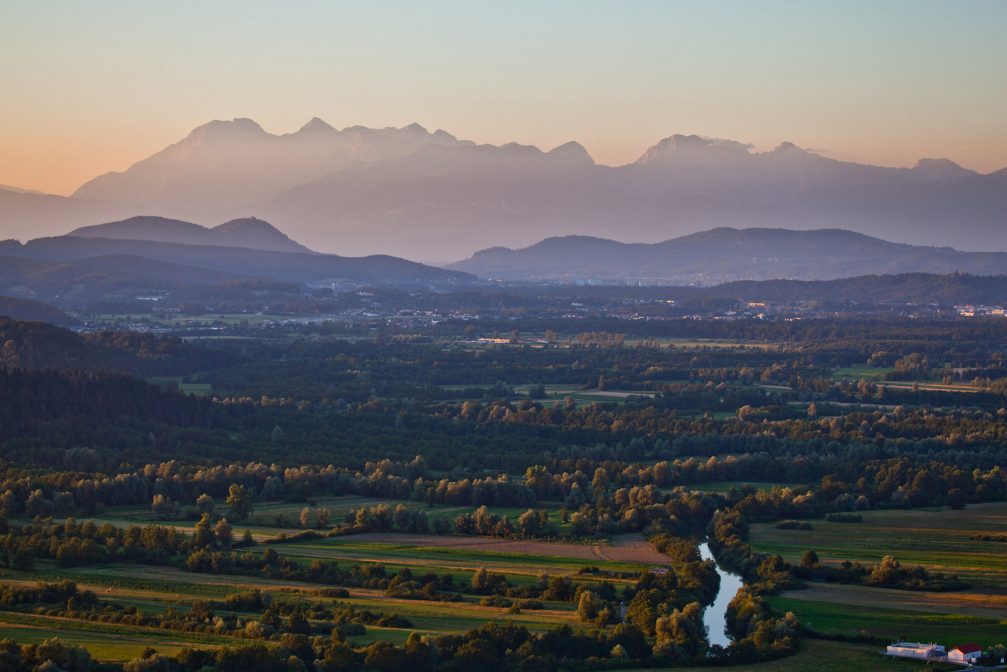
<point x="562" y="336"/>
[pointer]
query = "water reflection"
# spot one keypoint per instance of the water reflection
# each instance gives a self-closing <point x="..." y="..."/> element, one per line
<point x="714" y="616"/>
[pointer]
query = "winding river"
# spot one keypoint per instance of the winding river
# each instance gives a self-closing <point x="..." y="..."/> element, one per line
<point x="715" y="615"/>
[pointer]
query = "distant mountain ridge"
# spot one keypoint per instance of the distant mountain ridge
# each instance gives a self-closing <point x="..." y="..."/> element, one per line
<point x="724" y="255"/>
<point x="431" y="196"/>
<point x="138" y="260"/>
<point x="233" y="262"/>
<point x="247" y="232"/>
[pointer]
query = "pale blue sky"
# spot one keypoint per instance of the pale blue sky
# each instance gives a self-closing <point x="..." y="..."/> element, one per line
<point x="93" y="86"/>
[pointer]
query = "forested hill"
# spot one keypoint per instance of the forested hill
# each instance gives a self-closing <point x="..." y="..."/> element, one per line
<point x="917" y="288"/>
<point x="26" y="309"/>
<point x="37" y="345"/>
<point x="725" y="255"/>
<point x="873" y="290"/>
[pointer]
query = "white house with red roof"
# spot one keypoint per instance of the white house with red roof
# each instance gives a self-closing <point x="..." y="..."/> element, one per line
<point x="965" y="653"/>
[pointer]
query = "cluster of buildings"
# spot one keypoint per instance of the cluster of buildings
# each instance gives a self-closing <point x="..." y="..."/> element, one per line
<point x="981" y="311"/>
<point x="965" y="654"/>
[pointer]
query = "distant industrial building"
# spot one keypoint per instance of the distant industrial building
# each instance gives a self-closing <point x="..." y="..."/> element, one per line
<point x="916" y="650"/>
<point x="964" y="654"/>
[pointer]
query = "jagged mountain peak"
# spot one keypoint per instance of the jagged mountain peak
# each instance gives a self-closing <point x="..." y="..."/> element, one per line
<point x="241" y="128"/>
<point x="679" y="145"/>
<point x="316" y="126"/>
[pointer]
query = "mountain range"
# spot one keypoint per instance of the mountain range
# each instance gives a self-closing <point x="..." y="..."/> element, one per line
<point x="431" y="196"/>
<point x="724" y="255"/>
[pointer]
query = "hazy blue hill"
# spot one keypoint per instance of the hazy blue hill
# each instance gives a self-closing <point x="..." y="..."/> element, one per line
<point x="232" y="261"/>
<point x="725" y="254"/>
<point x="247" y="232"/>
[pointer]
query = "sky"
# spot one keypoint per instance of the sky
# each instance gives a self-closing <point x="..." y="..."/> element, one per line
<point x="91" y="87"/>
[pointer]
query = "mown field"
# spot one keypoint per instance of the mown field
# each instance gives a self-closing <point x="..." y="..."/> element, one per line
<point x="939" y="539"/>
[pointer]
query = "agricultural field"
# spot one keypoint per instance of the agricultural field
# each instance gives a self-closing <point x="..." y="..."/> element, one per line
<point x="861" y="371"/>
<point x="938" y="539"/>
<point x="154" y="589"/>
<point x="105" y="641"/>
<point x="892" y="623"/>
<point x="825" y="656"/>
<point x="462" y="556"/>
<point x="941" y="540"/>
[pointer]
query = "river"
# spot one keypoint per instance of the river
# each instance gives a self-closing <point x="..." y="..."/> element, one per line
<point x="714" y="616"/>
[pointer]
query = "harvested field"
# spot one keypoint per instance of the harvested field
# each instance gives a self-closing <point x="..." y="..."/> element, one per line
<point x="625" y="548"/>
<point x="978" y="603"/>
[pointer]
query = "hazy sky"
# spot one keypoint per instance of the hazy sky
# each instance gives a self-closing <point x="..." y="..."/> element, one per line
<point x="88" y="87"/>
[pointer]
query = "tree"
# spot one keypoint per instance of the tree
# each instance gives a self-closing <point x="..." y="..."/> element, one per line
<point x="204" y="504"/>
<point x="305" y="517"/>
<point x="225" y="535"/>
<point x="809" y="559"/>
<point x="682" y="630"/>
<point x="587" y="606"/>
<point x="480" y="580"/>
<point x="298" y="623"/>
<point x="203" y="536"/>
<point x="384" y="657"/>
<point x="528" y="523"/>
<point x="240" y="501"/>
<point x="164" y="508"/>
<point x="323" y="516"/>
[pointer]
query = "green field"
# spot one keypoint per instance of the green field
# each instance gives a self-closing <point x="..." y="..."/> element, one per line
<point x="938" y="539"/>
<point x="829" y="617"/>
<point x="105" y="641"/>
<point x="824" y="656"/>
<point x="855" y="373"/>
